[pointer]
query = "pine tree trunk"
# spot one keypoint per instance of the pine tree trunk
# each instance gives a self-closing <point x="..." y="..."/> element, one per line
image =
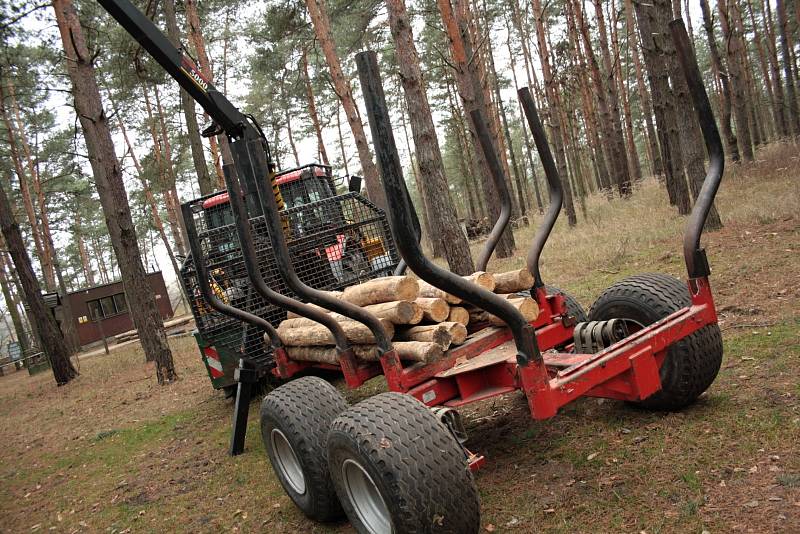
<point x="25" y="193"/>
<point x="220" y="150"/>
<point x="111" y="190"/>
<point x="426" y="231"/>
<point x="617" y="140"/>
<point x="793" y="113"/>
<point x="466" y="63"/>
<point x="644" y="96"/>
<point x="691" y="137"/>
<point x="634" y="165"/>
<point x="312" y="107"/>
<point x="725" y="97"/>
<point x="553" y="105"/>
<point x="322" y="29"/>
<point x="664" y="104"/>
<point x="775" y="93"/>
<point x="12" y="304"/>
<point x="52" y="343"/>
<point x="523" y="126"/>
<point x="167" y="173"/>
<point x="445" y="227"/>
<point x="521" y="200"/>
<point x="737" y="81"/>
<point x="597" y="153"/>
<point x="207" y="183"/>
<point x="148" y="193"/>
<point x="784" y="126"/>
<point x="341" y="139"/>
<point x="88" y="272"/>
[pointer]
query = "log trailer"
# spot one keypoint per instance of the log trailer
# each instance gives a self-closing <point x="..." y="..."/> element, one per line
<point x="397" y="461"/>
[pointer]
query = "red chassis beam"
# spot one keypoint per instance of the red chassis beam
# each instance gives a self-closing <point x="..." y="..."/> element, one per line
<point x="486" y="366"/>
<point x="628" y="370"/>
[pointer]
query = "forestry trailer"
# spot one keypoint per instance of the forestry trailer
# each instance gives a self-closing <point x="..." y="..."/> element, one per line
<point x="398" y="461"/>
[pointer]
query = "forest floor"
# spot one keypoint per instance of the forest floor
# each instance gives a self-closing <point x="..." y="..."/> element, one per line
<point x="114" y="452"/>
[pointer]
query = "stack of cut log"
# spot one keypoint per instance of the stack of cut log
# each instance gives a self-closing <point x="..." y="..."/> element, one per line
<point x="422" y="321"/>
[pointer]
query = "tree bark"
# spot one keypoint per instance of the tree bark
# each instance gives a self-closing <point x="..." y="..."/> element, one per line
<point x="553" y="105"/>
<point x="664" y="103"/>
<point x="775" y="93"/>
<point x="168" y="177"/>
<point x="322" y="29"/>
<point x="312" y="107"/>
<point x="445" y="227"/>
<point x="111" y="190"/>
<point x="793" y="113"/>
<point x="634" y="165"/>
<point x="466" y="63"/>
<point x="691" y="137"/>
<point x="12" y="304"/>
<point x="52" y="342"/>
<point x="148" y="193"/>
<point x="737" y="80"/>
<point x="220" y="150"/>
<point x="207" y="183"/>
<point x="784" y="128"/>
<point x="523" y="126"/>
<point x="521" y="189"/>
<point x="721" y="73"/>
<point x="617" y="140"/>
<point x="644" y="96"/>
<point x="86" y="264"/>
<point x="25" y="193"/>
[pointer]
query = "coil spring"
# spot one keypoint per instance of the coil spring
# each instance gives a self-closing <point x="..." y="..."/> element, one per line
<point x="594" y="336"/>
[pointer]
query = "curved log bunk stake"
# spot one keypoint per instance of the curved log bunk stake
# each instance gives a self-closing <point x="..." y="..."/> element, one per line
<point x="246" y="373"/>
<point x="553" y="184"/>
<point x="499" y="179"/>
<point x="400" y="217"/>
<point x="694" y="255"/>
<point x="244" y="231"/>
<point x="269" y="208"/>
<point x="208" y="293"/>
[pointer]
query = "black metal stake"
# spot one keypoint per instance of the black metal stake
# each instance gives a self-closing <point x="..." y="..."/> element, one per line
<point x="400" y="217"/>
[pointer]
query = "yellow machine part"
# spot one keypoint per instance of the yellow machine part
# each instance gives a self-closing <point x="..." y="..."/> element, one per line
<point x="373" y="247"/>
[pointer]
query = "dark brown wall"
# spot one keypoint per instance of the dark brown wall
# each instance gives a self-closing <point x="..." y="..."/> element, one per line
<point x="89" y="331"/>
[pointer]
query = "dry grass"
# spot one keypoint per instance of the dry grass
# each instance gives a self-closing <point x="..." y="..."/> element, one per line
<point x="114" y="452"/>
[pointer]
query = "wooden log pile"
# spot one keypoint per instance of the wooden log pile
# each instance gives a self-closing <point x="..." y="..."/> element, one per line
<point x="422" y="321"/>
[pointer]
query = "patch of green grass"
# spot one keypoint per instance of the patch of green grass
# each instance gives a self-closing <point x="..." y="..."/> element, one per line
<point x="691" y="480"/>
<point x="789" y="480"/>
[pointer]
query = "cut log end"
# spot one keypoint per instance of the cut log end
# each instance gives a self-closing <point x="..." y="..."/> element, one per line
<point x="513" y="281"/>
<point x="434" y="310"/>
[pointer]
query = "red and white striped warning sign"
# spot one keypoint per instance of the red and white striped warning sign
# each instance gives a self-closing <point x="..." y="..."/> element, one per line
<point x="213" y="361"/>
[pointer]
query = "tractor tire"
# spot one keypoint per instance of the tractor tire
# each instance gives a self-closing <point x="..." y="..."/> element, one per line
<point x="691" y="364"/>
<point x="295" y="420"/>
<point x="397" y="468"/>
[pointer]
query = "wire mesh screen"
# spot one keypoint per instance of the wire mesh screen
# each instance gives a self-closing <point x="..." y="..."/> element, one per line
<point x="334" y="243"/>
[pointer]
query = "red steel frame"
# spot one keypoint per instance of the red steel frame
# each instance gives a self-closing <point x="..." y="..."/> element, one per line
<point x="486" y="365"/>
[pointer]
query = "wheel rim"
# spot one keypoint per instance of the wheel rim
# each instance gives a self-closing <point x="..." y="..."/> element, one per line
<point x="365" y="498"/>
<point x="286" y="461"/>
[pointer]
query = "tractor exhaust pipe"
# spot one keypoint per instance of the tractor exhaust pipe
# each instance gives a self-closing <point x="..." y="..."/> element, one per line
<point x="693" y="253"/>
<point x="553" y="182"/>
<point x="401" y="219"/>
